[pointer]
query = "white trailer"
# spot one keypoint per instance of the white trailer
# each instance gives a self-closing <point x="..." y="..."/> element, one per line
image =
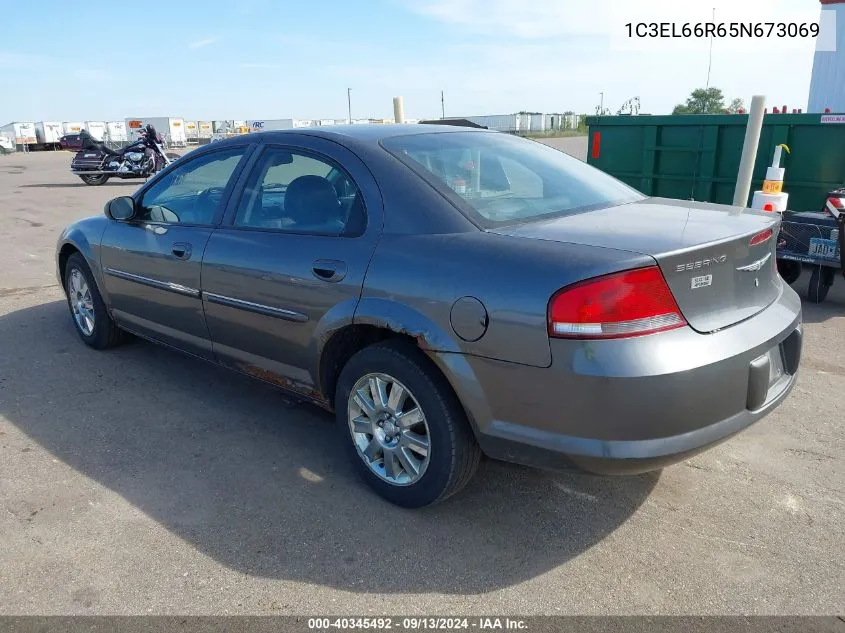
<point x="302" y="123"/>
<point x="48" y="133"/>
<point x="268" y="125"/>
<point x="116" y="132"/>
<point x="204" y="129"/>
<point x="97" y="129"/>
<point x="191" y="130"/>
<point x="498" y="122"/>
<point x="171" y="128"/>
<point x="524" y="122"/>
<point x="21" y="132"/>
<point x="325" y="122"/>
<point x="72" y="127"/>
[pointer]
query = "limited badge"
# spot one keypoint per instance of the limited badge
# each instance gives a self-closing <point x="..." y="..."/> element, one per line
<point x="701" y="281"/>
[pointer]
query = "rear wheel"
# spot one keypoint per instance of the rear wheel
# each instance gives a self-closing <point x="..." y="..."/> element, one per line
<point x="789" y="270"/>
<point x="95" y="179"/>
<point x="820" y="282"/>
<point x="403" y="428"/>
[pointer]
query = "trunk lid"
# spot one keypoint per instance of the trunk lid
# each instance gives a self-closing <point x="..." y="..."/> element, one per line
<point x="705" y="251"/>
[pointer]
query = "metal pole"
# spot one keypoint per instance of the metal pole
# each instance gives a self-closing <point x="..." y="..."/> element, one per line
<point x="749" y="151"/>
<point x="601" y="103"/>
<point x="349" y="103"/>
<point x="442" y="106"/>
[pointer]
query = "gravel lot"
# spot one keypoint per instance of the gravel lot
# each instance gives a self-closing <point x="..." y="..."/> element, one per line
<point x="140" y="481"/>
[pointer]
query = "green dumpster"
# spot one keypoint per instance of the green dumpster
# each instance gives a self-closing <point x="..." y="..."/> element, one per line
<point x="697" y="156"/>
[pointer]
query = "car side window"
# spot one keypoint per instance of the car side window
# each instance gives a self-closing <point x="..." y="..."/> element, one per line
<point x="191" y="193"/>
<point x="298" y="193"/>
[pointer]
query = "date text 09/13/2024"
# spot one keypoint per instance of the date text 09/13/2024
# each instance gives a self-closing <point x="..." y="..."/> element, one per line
<point x="417" y="623"/>
<point x="722" y="29"/>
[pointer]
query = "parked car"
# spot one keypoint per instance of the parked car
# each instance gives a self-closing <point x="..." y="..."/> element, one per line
<point x="71" y="142"/>
<point x="449" y="293"/>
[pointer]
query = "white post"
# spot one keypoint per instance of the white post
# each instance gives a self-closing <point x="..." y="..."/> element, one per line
<point x="776" y="158"/>
<point x="398" y="110"/>
<point x="749" y="151"/>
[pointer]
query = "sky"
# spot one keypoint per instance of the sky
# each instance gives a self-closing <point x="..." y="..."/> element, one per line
<point x="266" y="59"/>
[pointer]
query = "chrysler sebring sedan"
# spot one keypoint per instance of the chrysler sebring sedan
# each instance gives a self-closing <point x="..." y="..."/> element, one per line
<point x="449" y="293"/>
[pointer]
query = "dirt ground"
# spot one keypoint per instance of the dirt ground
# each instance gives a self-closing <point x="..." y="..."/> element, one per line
<point x="140" y="481"/>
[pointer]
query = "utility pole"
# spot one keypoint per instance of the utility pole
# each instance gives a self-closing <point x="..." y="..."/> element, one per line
<point x="601" y="103"/>
<point x="442" y="106"/>
<point x="349" y="103"/>
<point x="710" y="60"/>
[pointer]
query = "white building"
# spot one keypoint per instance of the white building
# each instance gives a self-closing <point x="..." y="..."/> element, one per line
<point x="827" y="85"/>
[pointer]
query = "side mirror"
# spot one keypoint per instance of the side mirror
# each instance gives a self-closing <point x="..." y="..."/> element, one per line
<point x="121" y="209"/>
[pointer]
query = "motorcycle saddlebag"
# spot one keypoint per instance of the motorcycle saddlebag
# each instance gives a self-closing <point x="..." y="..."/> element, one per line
<point x="87" y="159"/>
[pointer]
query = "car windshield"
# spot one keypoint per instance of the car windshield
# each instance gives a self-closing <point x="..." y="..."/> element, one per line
<point x="500" y="179"/>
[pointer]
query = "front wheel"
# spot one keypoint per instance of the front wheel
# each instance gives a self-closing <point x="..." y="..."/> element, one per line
<point x="95" y="179"/>
<point x="403" y="427"/>
<point x="90" y="317"/>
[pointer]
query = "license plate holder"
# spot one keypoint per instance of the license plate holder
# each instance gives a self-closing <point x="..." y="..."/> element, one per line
<point x="820" y="247"/>
<point x="776" y="367"/>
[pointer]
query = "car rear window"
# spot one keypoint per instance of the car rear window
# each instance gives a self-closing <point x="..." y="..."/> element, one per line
<point x="499" y="179"/>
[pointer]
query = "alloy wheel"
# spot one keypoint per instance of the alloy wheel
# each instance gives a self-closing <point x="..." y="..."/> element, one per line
<point x="389" y="429"/>
<point x="81" y="302"/>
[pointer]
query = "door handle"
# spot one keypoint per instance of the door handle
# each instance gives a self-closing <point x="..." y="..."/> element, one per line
<point x="182" y="250"/>
<point x="329" y="270"/>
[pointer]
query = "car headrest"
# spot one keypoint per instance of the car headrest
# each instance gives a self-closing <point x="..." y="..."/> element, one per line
<point x="311" y="200"/>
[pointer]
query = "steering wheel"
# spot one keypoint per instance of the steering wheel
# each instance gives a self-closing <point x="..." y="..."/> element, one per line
<point x="212" y="196"/>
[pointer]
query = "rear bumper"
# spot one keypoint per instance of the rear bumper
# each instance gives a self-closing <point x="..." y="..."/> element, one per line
<point x="543" y="449"/>
<point x="633" y="405"/>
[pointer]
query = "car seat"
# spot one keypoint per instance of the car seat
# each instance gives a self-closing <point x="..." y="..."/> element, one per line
<point x="311" y="203"/>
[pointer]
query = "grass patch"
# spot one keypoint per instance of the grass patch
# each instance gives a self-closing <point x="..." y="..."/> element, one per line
<point x="557" y="133"/>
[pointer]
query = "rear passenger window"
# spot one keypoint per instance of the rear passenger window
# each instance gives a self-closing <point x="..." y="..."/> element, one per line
<point x="298" y="193"/>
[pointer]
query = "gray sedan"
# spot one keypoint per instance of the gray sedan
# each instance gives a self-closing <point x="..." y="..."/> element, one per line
<point x="450" y="294"/>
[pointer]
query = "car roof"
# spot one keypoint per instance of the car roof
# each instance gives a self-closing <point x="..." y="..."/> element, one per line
<point x="367" y="133"/>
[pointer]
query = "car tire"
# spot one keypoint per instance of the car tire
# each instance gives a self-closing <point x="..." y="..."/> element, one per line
<point x="452" y="456"/>
<point x="820" y="283"/>
<point x="95" y="180"/>
<point x="789" y="270"/>
<point x="88" y="312"/>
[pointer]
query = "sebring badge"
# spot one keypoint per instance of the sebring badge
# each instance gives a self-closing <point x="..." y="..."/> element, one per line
<point x="702" y="263"/>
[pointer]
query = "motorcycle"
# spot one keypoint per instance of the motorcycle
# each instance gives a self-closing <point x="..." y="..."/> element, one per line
<point x="95" y="163"/>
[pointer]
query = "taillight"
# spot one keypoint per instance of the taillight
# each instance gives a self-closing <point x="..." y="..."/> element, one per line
<point x="630" y="303"/>
<point x="762" y="237"/>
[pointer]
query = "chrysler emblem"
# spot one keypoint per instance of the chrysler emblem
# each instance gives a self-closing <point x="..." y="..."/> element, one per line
<point x="755" y="265"/>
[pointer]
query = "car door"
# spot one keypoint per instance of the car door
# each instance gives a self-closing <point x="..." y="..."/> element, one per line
<point x="152" y="263"/>
<point x="289" y="259"/>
